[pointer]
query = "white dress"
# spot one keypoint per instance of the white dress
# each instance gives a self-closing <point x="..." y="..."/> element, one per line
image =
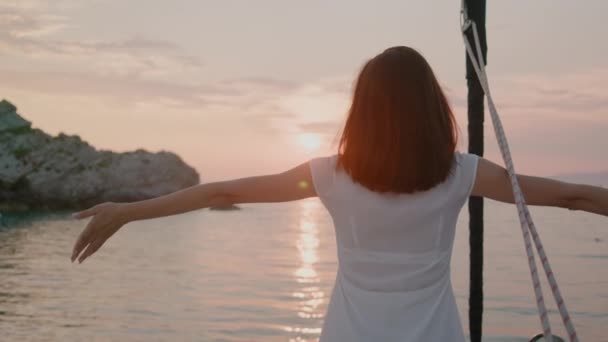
<point x="394" y="250"/>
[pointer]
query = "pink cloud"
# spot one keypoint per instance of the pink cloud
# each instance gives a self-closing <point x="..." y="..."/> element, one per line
<point x="30" y="31"/>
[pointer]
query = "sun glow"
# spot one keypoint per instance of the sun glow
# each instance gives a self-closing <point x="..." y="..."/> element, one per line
<point x="309" y="141"/>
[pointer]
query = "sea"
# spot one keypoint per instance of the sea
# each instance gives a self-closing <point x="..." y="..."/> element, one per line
<point x="265" y="273"/>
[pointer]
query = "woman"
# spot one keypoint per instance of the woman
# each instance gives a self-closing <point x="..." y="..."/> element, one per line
<point x="394" y="190"/>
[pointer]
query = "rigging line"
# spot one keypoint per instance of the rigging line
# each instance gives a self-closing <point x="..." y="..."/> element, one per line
<point x="527" y="224"/>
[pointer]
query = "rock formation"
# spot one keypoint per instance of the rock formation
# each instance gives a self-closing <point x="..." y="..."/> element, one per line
<point x="38" y="171"/>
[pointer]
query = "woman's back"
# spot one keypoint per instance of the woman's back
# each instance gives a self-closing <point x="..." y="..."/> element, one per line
<point x="394" y="256"/>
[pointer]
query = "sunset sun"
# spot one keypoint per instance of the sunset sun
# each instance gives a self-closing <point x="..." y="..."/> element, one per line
<point x="309" y="141"/>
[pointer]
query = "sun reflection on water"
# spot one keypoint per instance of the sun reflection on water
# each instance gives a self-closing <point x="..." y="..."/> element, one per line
<point x="309" y="295"/>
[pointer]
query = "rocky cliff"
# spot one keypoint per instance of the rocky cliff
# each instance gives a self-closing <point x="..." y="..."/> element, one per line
<point x="39" y="171"/>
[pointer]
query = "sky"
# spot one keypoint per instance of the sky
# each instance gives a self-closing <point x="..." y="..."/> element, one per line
<point x="240" y="88"/>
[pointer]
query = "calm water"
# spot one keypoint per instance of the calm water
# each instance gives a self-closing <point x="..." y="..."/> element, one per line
<point x="264" y="273"/>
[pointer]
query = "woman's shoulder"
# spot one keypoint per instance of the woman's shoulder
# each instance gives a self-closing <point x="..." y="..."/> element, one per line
<point x="323" y="172"/>
<point x="329" y="158"/>
<point x="465" y="157"/>
<point x="465" y="170"/>
<point x="324" y="164"/>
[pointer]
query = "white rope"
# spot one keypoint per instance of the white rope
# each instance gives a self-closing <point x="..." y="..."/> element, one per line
<point x="525" y="218"/>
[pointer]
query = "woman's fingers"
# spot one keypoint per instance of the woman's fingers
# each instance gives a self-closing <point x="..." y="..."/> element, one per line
<point x="91" y="248"/>
<point x="81" y="242"/>
<point x="85" y="213"/>
<point x="87" y="235"/>
<point x="105" y="223"/>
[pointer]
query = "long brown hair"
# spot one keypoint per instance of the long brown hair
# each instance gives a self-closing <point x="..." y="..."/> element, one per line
<point x="400" y="135"/>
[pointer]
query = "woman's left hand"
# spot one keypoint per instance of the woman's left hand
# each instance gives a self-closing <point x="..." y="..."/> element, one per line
<point x="107" y="218"/>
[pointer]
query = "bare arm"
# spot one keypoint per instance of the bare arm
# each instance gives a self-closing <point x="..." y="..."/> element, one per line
<point x="290" y="185"/>
<point x="108" y="217"/>
<point x="492" y="181"/>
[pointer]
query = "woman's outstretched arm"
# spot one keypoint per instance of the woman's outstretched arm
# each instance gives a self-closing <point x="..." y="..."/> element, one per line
<point x="492" y="181"/>
<point x="108" y="217"/>
<point x="287" y="186"/>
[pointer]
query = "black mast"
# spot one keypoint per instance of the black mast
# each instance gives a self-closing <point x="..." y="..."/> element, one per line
<point x="476" y="11"/>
